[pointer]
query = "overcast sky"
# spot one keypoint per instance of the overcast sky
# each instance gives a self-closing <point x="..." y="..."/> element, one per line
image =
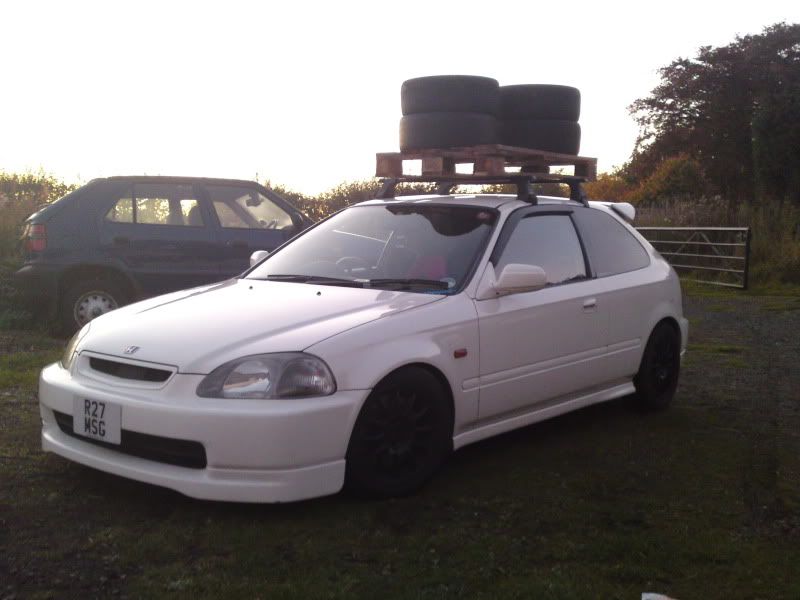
<point x="305" y="93"/>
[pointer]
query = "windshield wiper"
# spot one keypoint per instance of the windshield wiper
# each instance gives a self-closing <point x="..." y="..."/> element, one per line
<point x="316" y="279"/>
<point x="409" y="283"/>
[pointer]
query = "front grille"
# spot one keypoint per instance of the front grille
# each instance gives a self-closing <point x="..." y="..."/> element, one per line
<point x="128" y="371"/>
<point x="181" y="453"/>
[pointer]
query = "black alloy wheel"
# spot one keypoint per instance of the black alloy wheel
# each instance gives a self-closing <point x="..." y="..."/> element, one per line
<point x="658" y="374"/>
<point x="402" y="435"/>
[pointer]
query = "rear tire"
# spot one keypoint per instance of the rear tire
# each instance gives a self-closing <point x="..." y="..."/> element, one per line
<point x="539" y="101"/>
<point x="401" y="437"/>
<point x="658" y="374"/>
<point x="563" y="137"/>
<point x="450" y="93"/>
<point x="447" y="130"/>
<point x="87" y="300"/>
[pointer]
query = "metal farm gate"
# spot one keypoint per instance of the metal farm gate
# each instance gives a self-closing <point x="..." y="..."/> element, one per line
<point x="714" y="255"/>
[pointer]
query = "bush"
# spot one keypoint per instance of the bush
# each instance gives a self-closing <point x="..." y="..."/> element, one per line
<point x="21" y="195"/>
<point x="674" y="178"/>
<point x="611" y="187"/>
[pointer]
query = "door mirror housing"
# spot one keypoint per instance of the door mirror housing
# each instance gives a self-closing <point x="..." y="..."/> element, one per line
<point x="517" y="278"/>
<point x="257" y="256"/>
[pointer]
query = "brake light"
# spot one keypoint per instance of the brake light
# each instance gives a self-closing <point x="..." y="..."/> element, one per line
<point x="36" y="240"/>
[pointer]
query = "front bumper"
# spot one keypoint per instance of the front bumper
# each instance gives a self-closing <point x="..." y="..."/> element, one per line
<point x="256" y="450"/>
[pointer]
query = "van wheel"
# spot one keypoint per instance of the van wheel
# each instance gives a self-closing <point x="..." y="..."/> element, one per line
<point x="87" y="300"/>
<point x="657" y="378"/>
<point x="401" y="437"/>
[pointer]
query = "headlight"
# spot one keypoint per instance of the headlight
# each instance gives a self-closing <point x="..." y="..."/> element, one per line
<point x="72" y="345"/>
<point x="283" y="375"/>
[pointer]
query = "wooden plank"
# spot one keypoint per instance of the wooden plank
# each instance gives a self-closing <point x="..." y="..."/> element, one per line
<point x="438" y="165"/>
<point x="388" y="164"/>
<point x="489" y="165"/>
<point x="587" y="169"/>
<point x="487" y="159"/>
<point x="535" y="168"/>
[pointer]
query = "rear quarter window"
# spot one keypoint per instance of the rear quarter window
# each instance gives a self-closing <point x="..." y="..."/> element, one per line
<point x="612" y="249"/>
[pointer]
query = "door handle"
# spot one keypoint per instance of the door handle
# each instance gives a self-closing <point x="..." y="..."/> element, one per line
<point x="236" y="244"/>
<point x="590" y="304"/>
<point x="121" y="240"/>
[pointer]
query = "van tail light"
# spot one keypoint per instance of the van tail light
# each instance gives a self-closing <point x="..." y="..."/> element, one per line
<point x="36" y="239"/>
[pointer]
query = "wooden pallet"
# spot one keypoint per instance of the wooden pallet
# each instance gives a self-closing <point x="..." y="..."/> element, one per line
<point x="489" y="159"/>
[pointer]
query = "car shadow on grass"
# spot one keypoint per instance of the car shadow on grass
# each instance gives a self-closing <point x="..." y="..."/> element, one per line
<point x="479" y="461"/>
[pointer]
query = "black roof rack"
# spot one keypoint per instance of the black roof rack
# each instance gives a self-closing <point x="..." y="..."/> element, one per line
<point x="523" y="181"/>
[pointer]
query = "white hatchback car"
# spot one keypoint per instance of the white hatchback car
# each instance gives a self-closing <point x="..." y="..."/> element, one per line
<point x="369" y="347"/>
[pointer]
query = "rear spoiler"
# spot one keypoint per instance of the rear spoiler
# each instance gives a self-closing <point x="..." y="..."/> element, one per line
<point x="626" y="210"/>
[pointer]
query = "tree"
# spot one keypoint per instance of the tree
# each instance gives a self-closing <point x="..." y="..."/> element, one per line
<point x="734" y="109"/>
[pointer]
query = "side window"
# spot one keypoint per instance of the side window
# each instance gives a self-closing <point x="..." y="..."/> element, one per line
<point x="245" y="208"/>
<point x="166" y="204"/>
<point x="547" y="241"/>
<point x="122" y="211"/>
<point x="612" y="249"/>
<point x="227" y="217"/>
<point x="158" y="204"/>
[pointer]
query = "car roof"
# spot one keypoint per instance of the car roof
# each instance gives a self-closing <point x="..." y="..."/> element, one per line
<point x="175" y="179"/>
<point x="483" y="200"/>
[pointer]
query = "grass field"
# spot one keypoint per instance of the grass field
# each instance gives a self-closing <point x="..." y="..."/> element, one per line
<point x="699" y="501"/>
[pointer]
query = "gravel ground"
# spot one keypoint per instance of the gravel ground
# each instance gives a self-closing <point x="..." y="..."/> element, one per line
<point x="743" y="369"/>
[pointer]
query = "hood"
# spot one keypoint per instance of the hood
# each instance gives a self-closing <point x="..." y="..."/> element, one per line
<point x="197" y="330"/>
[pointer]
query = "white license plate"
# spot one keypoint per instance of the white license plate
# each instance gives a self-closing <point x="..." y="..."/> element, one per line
<point x="97" y="419"/>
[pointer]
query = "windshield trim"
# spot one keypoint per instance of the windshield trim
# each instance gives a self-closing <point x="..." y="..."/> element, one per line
<point x="480" y="249"/>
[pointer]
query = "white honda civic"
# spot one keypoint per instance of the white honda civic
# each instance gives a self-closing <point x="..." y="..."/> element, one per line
<point x="367" y="349"/>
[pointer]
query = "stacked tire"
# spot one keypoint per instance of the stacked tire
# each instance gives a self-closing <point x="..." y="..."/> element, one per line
<point x="544" y="117"/>
<point x="449" y="111"/>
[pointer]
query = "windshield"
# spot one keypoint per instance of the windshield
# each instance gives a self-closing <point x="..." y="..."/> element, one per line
<point x="423" y="248"/>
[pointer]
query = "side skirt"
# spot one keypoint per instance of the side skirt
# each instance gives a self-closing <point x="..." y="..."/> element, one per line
<point x="496" y="426"/>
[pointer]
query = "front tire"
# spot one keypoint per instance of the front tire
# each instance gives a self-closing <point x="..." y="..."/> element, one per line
<point x="401" y="437"/>
<point x="658" y="374"/>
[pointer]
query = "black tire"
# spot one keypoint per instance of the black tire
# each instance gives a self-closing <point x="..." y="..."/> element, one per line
<point x="447" y="130"/>
<point x="450" y="93"/>
<point x="659" y="371"/>
<point x="88" y="299"/>
<point x="402" y="435"/>
<point x="539" y="101"/>
<point x="552" y="136"/>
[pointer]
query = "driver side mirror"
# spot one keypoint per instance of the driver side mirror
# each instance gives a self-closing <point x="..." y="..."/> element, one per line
<point x="257" y="256"/>
<point x="517" y="278"/>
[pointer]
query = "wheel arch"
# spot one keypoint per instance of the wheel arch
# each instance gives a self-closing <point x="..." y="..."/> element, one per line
<point x="669" y="320"/>
<point x="78" y="273"/>
<point x="672" y="322"/>
<point x="439" y="376"/>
